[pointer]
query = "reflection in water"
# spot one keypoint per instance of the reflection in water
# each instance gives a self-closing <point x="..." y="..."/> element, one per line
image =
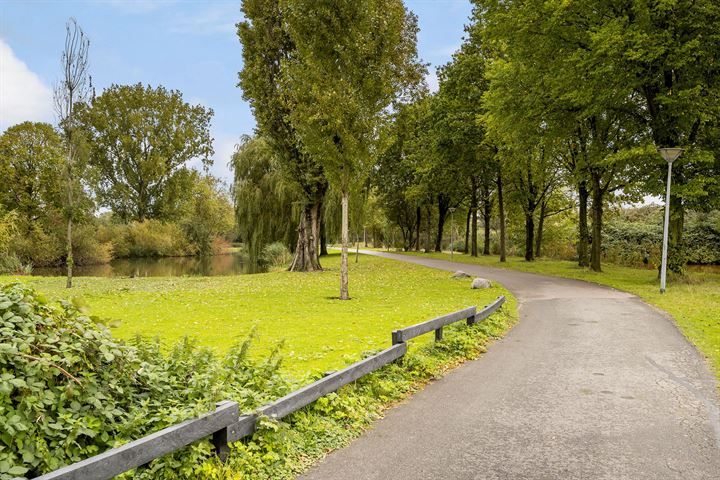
<point x="229" y="264"/>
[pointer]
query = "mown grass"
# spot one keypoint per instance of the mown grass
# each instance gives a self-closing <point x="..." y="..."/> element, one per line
<point x="693" y="301"/>
<point x="320" y="332"/>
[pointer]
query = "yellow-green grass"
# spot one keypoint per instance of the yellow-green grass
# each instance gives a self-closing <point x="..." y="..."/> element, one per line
<point x="694" y="301"/>
<point x="320" y="332"/>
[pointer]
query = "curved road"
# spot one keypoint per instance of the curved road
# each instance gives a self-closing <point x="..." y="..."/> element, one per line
<point x="592" y="383"/>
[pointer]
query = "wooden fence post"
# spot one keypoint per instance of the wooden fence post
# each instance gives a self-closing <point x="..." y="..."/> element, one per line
<point x="220" y="438"/>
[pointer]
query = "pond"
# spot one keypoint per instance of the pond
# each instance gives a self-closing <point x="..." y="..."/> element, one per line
<point x="226" y="264"/>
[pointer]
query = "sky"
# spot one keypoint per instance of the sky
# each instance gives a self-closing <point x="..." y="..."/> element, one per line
<point x="186" y="45"/>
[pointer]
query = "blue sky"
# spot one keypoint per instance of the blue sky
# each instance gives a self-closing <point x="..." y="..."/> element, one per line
<point x="188" y="45"/>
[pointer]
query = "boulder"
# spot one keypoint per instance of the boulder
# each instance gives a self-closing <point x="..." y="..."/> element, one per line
<point x="460" y="274"/>
<point x="480" y="283"/>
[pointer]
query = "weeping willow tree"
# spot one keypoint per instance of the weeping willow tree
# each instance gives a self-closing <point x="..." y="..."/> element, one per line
<point x="264" y="200"/>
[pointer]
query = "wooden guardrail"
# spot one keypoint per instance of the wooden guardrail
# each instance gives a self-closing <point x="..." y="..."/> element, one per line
<point x="226" y="425"/>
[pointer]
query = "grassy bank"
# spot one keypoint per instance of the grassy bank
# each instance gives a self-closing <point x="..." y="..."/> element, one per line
<point x="320" y="332"/>
<point x="694" y="302"/>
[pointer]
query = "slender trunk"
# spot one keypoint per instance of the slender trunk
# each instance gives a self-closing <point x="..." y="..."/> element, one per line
<point x="418" y="222"/>
<point x="344" y="294"/>
<point x="323" y="236"/>
<point x="442" y="213"/>
<point x="597" y="212"/>
<point x="428" y="228"/>
<point x="676" y="249"/>
<point x="583" y="234"/>
<point x="69" y="257"/>
<point x="474" y="240"/>
<point x="487" y="209"/>
<point x="541" y="224"/>
<point x="501" y="214"/>
<point x="467" y="231"/>
<point x="306" y="259"/>
<point x="529" y="236"/>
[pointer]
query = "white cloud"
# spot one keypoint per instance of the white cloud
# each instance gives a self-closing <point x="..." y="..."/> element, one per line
<point x="23" y="96"/>
<point x="138" y="6"/>
<point x="216" y="19"/>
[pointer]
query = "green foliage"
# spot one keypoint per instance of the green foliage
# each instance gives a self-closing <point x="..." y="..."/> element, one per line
<point x="69" y="390"/>
<point x="209" y="215"/>
<point x="142" y="139"/>
<point x="263" y="197"/>
<point x="276" y="255"/>
<point x="151" y="238"/>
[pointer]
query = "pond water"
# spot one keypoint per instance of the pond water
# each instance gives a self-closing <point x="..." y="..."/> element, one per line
<point x="227" y="264"/>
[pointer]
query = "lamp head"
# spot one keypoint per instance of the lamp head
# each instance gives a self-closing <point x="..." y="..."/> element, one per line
<point x="670" y="154"/>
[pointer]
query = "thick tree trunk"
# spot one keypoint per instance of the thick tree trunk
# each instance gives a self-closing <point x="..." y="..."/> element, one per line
<point x="583" y="233"/>
<point x="442" y="214"/>
<point x="344" y="293"/>
<point x="597" y="213"/>
<point x="467" y="231"/>
<point x="306" y="258"/>
<point x="541" y="224"/>
<point x="418" y="222"/>
<point x="529" y="236"/>
<point x="501" y="214"/>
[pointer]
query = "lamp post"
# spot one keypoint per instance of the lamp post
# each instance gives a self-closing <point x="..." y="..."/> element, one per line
<point x="670" y="155"/>
<point x="452" y="229"/>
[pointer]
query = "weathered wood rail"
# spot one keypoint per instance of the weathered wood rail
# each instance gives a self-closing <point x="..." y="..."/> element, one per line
<point x="226" y="425"/>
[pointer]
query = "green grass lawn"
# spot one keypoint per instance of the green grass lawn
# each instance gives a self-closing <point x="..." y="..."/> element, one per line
<point x="320" y="332"/>
<point x="694" y="302"/>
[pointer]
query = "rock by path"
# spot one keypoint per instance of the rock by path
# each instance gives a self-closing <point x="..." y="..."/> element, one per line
<point x="591" y="384"/>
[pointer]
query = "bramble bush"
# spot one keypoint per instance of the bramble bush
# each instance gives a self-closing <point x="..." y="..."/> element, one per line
<point x="68" y="391"/>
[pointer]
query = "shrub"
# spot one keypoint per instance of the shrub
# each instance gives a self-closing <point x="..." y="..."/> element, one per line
<point x="276" y="255"/>
<point x="151" y="238"/>
<point x="69" y="390"/>
<point x="87" y="248"/>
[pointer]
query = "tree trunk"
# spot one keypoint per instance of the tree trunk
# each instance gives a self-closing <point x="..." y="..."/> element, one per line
<point x="344" y="294"/>
<point x="306" y="259"/>
<point x="487" y="209"/>
<point x="418" y="222"/>
<point x="428" y="229"/>
<point x="597" y="212"/>
<point x="583" y="234"/>
<point x="323" y="236"/>
<point x="501" y="214"/>
<point x="467" y="231"/>
<point x="676" y="252"/>
<point x="529" y="235"/>
<point x="541" y="224"/>
<point x="69" y="257"/>
<point x="442" y="213"/>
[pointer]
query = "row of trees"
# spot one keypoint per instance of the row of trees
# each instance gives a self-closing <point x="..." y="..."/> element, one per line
<point x="127" y="151"/>
<point x="547" y="108"/>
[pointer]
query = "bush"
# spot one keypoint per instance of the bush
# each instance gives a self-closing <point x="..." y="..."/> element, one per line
<point x="276" y="256"/>
<point x="151" y="238"/>
<point x="70" y="391"/>
<point x="87" y="249"/>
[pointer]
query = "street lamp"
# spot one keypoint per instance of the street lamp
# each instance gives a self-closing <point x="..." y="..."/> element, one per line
<point x="452" y="229"/>
<point x="670" y="155"/>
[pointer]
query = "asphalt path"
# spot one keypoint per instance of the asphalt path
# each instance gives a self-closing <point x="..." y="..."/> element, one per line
<point x="592" y="383"/>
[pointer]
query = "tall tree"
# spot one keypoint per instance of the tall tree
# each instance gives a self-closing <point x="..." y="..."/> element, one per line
<point x="263" y="196"/>
<point x="352" y="59"/>
<point x="72" y="88"/>
<point x="143" y="140"/>
<point x="31" y="166"/>
<point x="266" y="46"/>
